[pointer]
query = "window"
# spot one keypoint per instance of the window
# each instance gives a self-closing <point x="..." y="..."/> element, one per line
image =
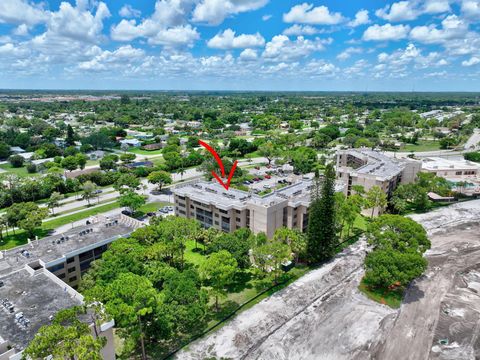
<point x="70" y="260"/>
<point x="61" y="276"/>
<point x="72" y="269"/>
<point x="56" y="268"/>
<point x="86" y="255"/>
<point x="238" y="219"/>
<point x="223" y="211"/>
<point x="72" y="279"/>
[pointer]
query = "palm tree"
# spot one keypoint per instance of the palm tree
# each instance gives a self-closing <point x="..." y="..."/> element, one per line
<point x="181" y="172"/>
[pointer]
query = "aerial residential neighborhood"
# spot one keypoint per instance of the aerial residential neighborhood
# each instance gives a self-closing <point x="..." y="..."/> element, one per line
<point x="239" y="179"/>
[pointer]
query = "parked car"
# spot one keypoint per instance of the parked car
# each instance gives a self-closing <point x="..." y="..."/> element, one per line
<point x="127" y="213"/>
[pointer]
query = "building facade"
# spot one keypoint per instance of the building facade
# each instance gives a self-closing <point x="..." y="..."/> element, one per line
<point x="213" y="206"/>
<point x="450" y="169"/>
<point x="370" y="168"/>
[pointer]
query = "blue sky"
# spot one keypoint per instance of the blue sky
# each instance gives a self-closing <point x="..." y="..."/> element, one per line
<point x="421" y="45"/>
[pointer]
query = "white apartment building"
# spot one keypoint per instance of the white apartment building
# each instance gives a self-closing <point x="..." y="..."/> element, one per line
<point x="450" y="169"/>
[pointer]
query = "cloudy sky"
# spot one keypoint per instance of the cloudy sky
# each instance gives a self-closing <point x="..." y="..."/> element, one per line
<point x="360" y="45"/>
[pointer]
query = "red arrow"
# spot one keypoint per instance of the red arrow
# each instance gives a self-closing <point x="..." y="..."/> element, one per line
<point x="220" y="164"/>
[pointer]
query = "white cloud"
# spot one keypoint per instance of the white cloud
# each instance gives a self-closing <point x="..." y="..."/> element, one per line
<point x="77" y="23"/>
<point x="410" y="9"/>
<point x="453" y="27"/>
<point x="21" y="12"/>
<point x="436" y="6"/>
<point x="472" y="61"/>
<point x="281" y="48"/>
<point x="348" y="52"/>
<point x="471" y="9"/>
<point x="213" y="12"/>
<point x="297" y="30"/>
<point x="228" y="40"/>
<point x="402" y="61"/>
<point x="308" y="14"/>
<point x="108" y="60"/>
<point x="361" y="18"/>
<point x="175" y="36"/>
<point x="319" y="68"/>
<point x="21" y="30"/>
<point x="399" y="11"/>
<point x="386" y="32"/>
<point x="166" y="26"/>
<point x="128" y="11"/>
<point x="248" y="55"/>
<point x="266" y="17"/>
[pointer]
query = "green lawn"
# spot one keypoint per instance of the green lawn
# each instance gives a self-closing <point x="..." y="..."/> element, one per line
<point x="20" y="236"/>
<point x="94" y="203"/>
<point x="158" y="161"/>
<point x="245" y="292"/>
<point x="392" y="298"/>
<point x="153" y="206"/>
<point x="21" y="171"/>
<point x="139" y="151"/>
<point x="423" y="145"/>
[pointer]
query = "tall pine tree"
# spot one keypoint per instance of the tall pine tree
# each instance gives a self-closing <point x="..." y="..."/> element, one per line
<point x="322" y="227"/>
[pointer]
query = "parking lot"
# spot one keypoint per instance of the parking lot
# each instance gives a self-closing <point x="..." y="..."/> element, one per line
<point x="266" y="179"/>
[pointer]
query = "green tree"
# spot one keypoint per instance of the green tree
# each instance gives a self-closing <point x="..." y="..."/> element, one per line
<point x="127" y="158"/>
<point x="81" y="160"/>
<point x="131" y="200"/>
<point x="269" y="151"/>
<point x="131" y="300"/>
<point x="294" y="239"/>
<point x="270" y="257"/>
<point x="398" y="245"/>
<point x="376" y="198"/>
<point x="127" y="182"/>
<point x="389" y="268"/>
<point x="4" y="151"/>
<point x="160" y="178"/>
<point x="19" y="212"/>
<point x="54" y="201"/>
<point x="70" y="139"/>
<point x="66" y="338"/>
<point x="70" y="163"/>
<point x="16" y="161"/>
<point x="33" y="220"/>
<point x="89" y="191"/>
<point x="218" y="270"/>
<point x="322" y="226"/>
<point x="109" y="162"/>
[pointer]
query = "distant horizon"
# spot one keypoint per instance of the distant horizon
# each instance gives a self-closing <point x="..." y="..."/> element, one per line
<point x="248" y="45"/>
<point x="238" y="91"/>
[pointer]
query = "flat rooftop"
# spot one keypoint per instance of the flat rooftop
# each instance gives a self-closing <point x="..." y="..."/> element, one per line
<point x="438" y="163"/>
<point x="376" y="163"/>
<point x="53" y="248"/>
<point x="36" y="297"/>
<point x="214" y="194"/>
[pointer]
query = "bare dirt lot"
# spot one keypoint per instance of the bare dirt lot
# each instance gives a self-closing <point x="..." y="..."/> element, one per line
<point x="323" y="316"/>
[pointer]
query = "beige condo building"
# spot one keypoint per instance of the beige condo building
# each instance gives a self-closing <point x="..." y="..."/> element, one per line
<point x="213" y="206"/>
<point x="370" y="168"/>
